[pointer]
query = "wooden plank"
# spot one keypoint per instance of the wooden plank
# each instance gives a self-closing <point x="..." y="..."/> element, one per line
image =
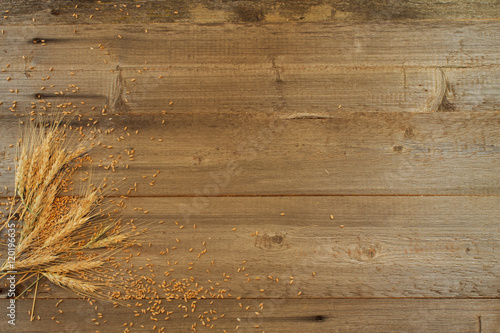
<point x="293" y="89"/>
<point x="271" y="46"/>
<point x="388" y="246"/>
<point x="304" y="315"/>
<point x="290" y="124"/>
<point x="342" y="153"/>
<point x="202" y="11"/>
<point x="286" y="68"/>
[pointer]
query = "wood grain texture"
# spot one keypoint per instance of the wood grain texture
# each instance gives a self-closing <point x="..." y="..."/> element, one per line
<point x="351" y="145"/>
<point x="317" y="90"/>
<point x="308" y="315"/>
<point x="204" y="11"/>
<point x="274" y="68"/>
<point x="386" y="247"/>
<point x="365" y="44"/>
<point x="345" y="153"/>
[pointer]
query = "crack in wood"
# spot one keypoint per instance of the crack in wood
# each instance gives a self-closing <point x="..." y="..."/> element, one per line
<point x="116" y="90"/>
<point x="439" y="101"/>
<point x="439" y="91"/>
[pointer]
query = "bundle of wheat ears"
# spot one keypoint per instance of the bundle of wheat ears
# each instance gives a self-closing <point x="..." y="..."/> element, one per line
<point x="67" y="239"/>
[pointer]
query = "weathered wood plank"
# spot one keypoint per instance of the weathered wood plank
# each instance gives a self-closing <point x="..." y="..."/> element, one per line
<point x="271" y="46"/>
<point x="243" y="154"/>
<point x="234" y="89"/>
<point x="299" y="315"/>
<point x="204" y="11"/>
<point x="256" y="112"/>
<point x="387" y="247"/>
<point x="287" y="68"/>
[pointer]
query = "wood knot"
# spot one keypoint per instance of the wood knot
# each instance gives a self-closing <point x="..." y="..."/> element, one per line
<point x="200" y="157"/>
<point x="277" y="239"/>
<point x="366" y="252"/>
<point x="245" y="14"/>
<point x="267" y="242"/>
<point x="397" y="149"/>
<point x="409" y="133"/>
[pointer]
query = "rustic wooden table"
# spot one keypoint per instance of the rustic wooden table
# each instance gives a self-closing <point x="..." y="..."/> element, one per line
<point x="339" y="160"/>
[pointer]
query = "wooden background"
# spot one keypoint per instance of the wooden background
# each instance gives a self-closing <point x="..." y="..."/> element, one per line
<point x="352" y="145"/>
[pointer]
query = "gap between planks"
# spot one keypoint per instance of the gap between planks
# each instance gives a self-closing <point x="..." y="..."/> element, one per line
<point x="287" y="195"/>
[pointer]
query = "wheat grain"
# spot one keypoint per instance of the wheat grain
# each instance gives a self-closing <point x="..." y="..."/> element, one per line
<point x="76" y="285"/>
<point x="108" y="241"/>
<point x="74" y="266"/>
<point x="56" y="230"/>
<point x="35" y="262"/>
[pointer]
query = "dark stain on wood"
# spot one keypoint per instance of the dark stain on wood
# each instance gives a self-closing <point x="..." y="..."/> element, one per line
<point x="397" y="149"/>
<point x="37" y="40"/>
<point x="201" y="11"/>
<point x="246" y="14"/>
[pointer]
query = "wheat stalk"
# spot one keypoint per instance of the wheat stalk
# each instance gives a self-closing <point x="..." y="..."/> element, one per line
<point x="73" y="266"/>
<point x="73" y="284"/>
<point x="58" y="234"/>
